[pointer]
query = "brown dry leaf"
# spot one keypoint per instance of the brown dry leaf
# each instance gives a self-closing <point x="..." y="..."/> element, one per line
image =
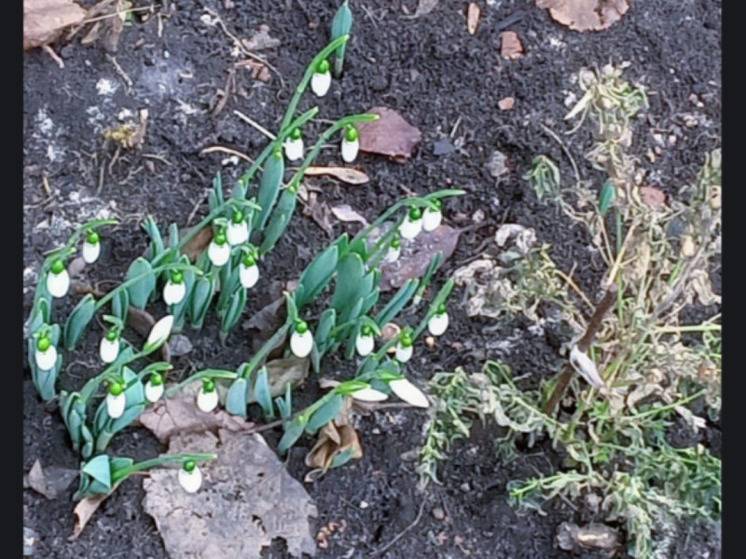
<point x="247" y="500"/>
<point x="506" y="103"/>
<point x="319" y="212"/>
<point x="344" y="212"/>
<point x="180" y="414"/>
<point x="345" y="174"/>
<point x="198" y="244"/>
<point x="416" y="255"/>
<point x="282" y="372"/>
<point x="261" y="40"/>
<point x="44" y="20"/>
<point x="585" y="15"/>
<point x="653" y="197"/>
<point x="50" y="482"/>
<point x="83" y="512"/>
<point x="510" y="45"/>
<point x="390" y="135"/>
<point x="472" y="18"/>
<point x="334" y="440"/>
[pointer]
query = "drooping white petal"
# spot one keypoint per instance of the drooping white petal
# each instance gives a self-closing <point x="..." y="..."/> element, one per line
<point x="219" y="254"/>
<point x="190" y="481"/>
<point x="410" y="229"/>
<point x="349" y="150"/>
<point x="301" y="344"/>
<point x="438" y="324"/>
<point x="161" y="331"/>
<point x="403" y="354"/>
<point x="58" y="284"/>
<point x="248" y="275"/>
<point x="294" y="149"/>
<point x="46" y="360"/>
<point x="409" y="393"/>
<point x="369" y="395"/>
<point x="320" y="83"/>
<point x="91" y="252"/>
<point x="586" y="368"/>
<point x="174" y="293"/>
<point x="237" y="233"/>
<point x="153" y="392"/>
<point x="115" y="405"/>
<point x="393" y="254"/>
<point x="108" y="350"/>
<point x="364" y="345"/>
<point x="431" y="219"/>
<point x="207" y="401"/>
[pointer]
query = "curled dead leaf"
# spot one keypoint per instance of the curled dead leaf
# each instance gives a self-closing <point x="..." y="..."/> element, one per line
<point x="198" y="244"/>
<point x="585" y="15"/>
<point x="44" y="20"/>
<point x="345" y="213"/>
<point x="51" y="481"/>
<point x="390" y="135"/>
<point x="83" y="512"/>
<point x="345" y="174"/>
<point x="336" y="445"/>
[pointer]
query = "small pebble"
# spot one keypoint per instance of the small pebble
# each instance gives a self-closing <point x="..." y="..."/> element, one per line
<point x="364" y="505"/>
<point x="30" y="539"/>
<point x="439" y="513"/>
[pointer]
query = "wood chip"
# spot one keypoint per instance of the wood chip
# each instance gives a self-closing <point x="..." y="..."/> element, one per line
<point x="510" y="45"/>
<point x="390" y="135"/>
<point x="345" y="174"/>
<point x="472" y="18"/>
<point x="585" y="15"/>
<point x="506" y="103"/>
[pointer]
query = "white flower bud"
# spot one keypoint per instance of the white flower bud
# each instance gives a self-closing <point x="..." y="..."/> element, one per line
<point x="219" y="254"/>
<point x="161" y="331"/>
<point x="350" y="150"/>
<point x="237" y="233"/>
<point x="364" y="344"/>
<point x="174" y="293"/>
<point x="403" y="353"/>
<point x="108" y="350"/>
<point x="207" y="401"/>
<point x="58" y="284"/>
<point x="301" y="344"/>
<point x="248" y="275"/>
<point x="431" y="219"/>
<point x="294" y="149"/>
<point x="47" y="359"/>
<point x="410" y="228"/>
<point x="438" y="323"/>
<point x="153" y="392"/>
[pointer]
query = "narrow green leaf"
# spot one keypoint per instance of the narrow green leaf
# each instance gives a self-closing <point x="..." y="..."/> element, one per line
<point x="269" y="186"/>
<point x="200" y="302"/>
<point x="78" y="321"/>
<point x="140" y="291"/>
<point x="397" y="302"/>
<point x="279" y="221"/>
<point x="606" y="197"/>
<point x="293" y="431"/>
<point x="156" y="240"/>
<point x="316" y="276"/>
<point x="326" y="323"/>
<point x="341" y="25"/>
<point x="99" y="469"/>
<point x="349" y="284"/>
<point x="120" y="304"/>
<point x="234" y="311"/>
<point x="262" y="394"/>
<point x="173" y="236"/>
<point x="326" y="413"/>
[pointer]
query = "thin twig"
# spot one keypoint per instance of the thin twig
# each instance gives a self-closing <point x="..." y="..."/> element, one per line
<point x="401" y="534"/>
<point x="50" y="51"/>
<point x="121" y="72"/>
<point x="213" y="149"/>
<point x="255" y="124"/>
<point x="566" y="151"/>
<point x="594" y="325"/>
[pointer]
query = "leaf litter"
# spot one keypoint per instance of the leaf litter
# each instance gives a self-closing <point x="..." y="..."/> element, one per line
<point x="585" y="15"/>
<point x="51" y="481"/>
<point x="247" y="500"/>
<point x="390" y="135"/>
<point x="45" y="20"/>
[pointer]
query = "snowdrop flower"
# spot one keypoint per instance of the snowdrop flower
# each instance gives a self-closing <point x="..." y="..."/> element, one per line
<point x="238" y="229"/>
<point x="321" y="79"/>
<point x="175" y="289"/>
<point x="248" y="271"/>
<point x="350" y="144"/>
<point x="438" y="323"/>
<point x="369" y="394"/>
<point x="294" y="145"/>
<point x="45" y="354"/>
<point x="190" y="477"/>
<point x="432" y="217"/>
<point x="161" y="331"/>
<point x="116" y="401"/>
<point x="394" y="249"/>
<point x="404" y="347"/>
<point x="154" y="387"/>
<point x="301" y="341"/>
<point x="207" y="397"/>
<point x="58" y="280"/>
<point x="91" y="247"/>
<point x="412" y="224"/>
<point x="365" y="341"/>
<point x="108" y="349"/>
<point x="409" y="393"/>
<point x="219" y="250"/>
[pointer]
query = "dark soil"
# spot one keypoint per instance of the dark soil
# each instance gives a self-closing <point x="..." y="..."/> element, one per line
<point x="445" y="82"/>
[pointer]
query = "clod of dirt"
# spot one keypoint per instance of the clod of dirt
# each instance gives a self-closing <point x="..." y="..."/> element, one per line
<point x="247" y="499"/>
<point x="497" y="164"/>
<point x="510" y="45"/>
<point x="44" y="20"/>
<point x="180" y="345"/>
<point x="417" y="254"/>
<point x="261" y="40"/>
<point x="585" y="15"/>
<point x="506" y="103"/>
<point x="472" y="18"/>
<point x="49" y="482"/>
<point x="572" y="537"/>
<point x="345" y="213"/>
<point x="179" y="415"/>
<point x="345" y="174"/>
<point x="390" y="135"/>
